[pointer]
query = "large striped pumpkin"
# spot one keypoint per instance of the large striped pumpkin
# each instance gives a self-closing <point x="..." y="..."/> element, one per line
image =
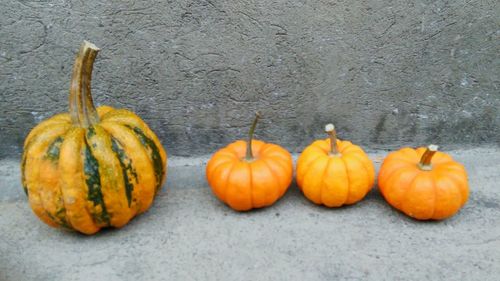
<point x="91" y="168"/>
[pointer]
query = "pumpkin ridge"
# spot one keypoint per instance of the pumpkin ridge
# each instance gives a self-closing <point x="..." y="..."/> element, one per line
<point x="360" y="159"/>
<point x="227" y="154"/>
<point x="251" y="183"/>
<point x="226" y="181"/>
<point x="389" y="185"/>
<point x="267" y="147"/>
<point x="30" y="174"/>
<point x="312" y="168"/>
<point x="32" y="139"/>
<point x="462" y="197"/>
<point x="126" y="169"/>
<point x="264" y="145"/>
<point x="111" y="177"/>
<point x="44" y="206"/>
<point x="93" y="182"/>
<point x="103" y="110"/>
<point x="129" y="119"/>
<point x="280" y="161"/>
<point x="54" y="120"/>
<point x="72" y="179"/>
<point x="23" y="174"/>
<point x="271" y="172"/>
<point x="144" y="186"/>
<point x="52" y="153"/>
<point x="349" y="178"/>
<point x="411" y="154"/>
<point x="54" y="149"/>
<point x="450" y="183"/>
<point x="318" y="145"/>
<point x="449" y="167"/>
<point x="440" y="158"/>
<point x="62" y="223"/>
<point x="214" y="172"/>
<point x="347" y="147"/>
<point x="366" y="163"/>
<point x="307" y="168"/>
<point x="276" y="154"/>
<point x="435" y="194"/>
<point x="282" y="166"/>
<point x="323" y="178"/>
<point x="154" y="154"/>
<point x="458" y="184"/>
<point x="222" y="185"/>
<point x="404" y="198"/>
<point x="230" y="148"/>
<point x="388" y="176"/>
<point x="307" y="171"/>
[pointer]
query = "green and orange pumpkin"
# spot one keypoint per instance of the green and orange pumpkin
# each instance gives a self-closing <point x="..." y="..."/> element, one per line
<point x="92" y="167"/>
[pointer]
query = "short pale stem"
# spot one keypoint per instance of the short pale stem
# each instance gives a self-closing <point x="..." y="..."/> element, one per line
<point x="249" y="154"/>
<point x="81" y="106"/>
<point x="425" y="160"/>
<point x="330" y="130"/>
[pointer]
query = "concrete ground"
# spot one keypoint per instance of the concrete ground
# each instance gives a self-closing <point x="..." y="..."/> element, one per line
<point x="189" y="235"/>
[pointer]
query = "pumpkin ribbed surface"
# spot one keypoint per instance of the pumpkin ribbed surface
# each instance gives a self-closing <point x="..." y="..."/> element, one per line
<point x="245" y="185"/>
<point x="334" y="180"/>
<point x="436" y="192"/>
<point x="89" y="178"/>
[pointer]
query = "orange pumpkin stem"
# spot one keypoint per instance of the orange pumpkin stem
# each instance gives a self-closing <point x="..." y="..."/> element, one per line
<point x="425" y="161"/>
<point x="330" y="130"/>
<point x="81" y="105"/>
<point x="249" y="154"/>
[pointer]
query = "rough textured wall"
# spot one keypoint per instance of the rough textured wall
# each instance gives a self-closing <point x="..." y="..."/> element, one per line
<point x="386" y="72"/>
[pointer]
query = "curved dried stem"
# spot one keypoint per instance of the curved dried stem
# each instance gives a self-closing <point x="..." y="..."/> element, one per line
<point x="81" y="105"/>
<point x="249" y="154"/>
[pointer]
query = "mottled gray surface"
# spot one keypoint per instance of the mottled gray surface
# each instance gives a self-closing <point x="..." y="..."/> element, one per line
<point x="386" y="72"/>
<point x="190" y="235"/>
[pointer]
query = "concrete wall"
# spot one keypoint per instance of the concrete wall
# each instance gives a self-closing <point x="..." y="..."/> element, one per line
<point x="386" y="72"/>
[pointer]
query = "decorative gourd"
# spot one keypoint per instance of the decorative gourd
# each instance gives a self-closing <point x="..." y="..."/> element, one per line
<point x="423" y="183"/>
<point x="252" y="174"/>
<point x="333" y="173"/>
<point x="91" y="168"/>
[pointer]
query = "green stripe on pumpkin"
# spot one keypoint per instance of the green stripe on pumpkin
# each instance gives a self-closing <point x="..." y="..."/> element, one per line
<point x="93" y="181"/>
<point x="60" y="218"/>
<point x="54" y="149"/>
<point x="154" y="152"/>
<point x="23" y="174"/>
<point x="128" y="170"/>
<point x="23" y="166"/>
<point x="52" y="154"/>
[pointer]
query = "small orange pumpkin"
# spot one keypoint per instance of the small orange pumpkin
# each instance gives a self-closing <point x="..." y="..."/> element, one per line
<point x="423" y="183"/>
<point x="333" y="173"/>
<point x="252" y="174"/>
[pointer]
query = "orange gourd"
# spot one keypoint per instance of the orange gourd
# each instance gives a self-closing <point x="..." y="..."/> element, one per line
<point x="423" y="183"/>
<point x="252" y="174"/>
<point x="92" y="167"/>
<point x="333" y="173"/>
